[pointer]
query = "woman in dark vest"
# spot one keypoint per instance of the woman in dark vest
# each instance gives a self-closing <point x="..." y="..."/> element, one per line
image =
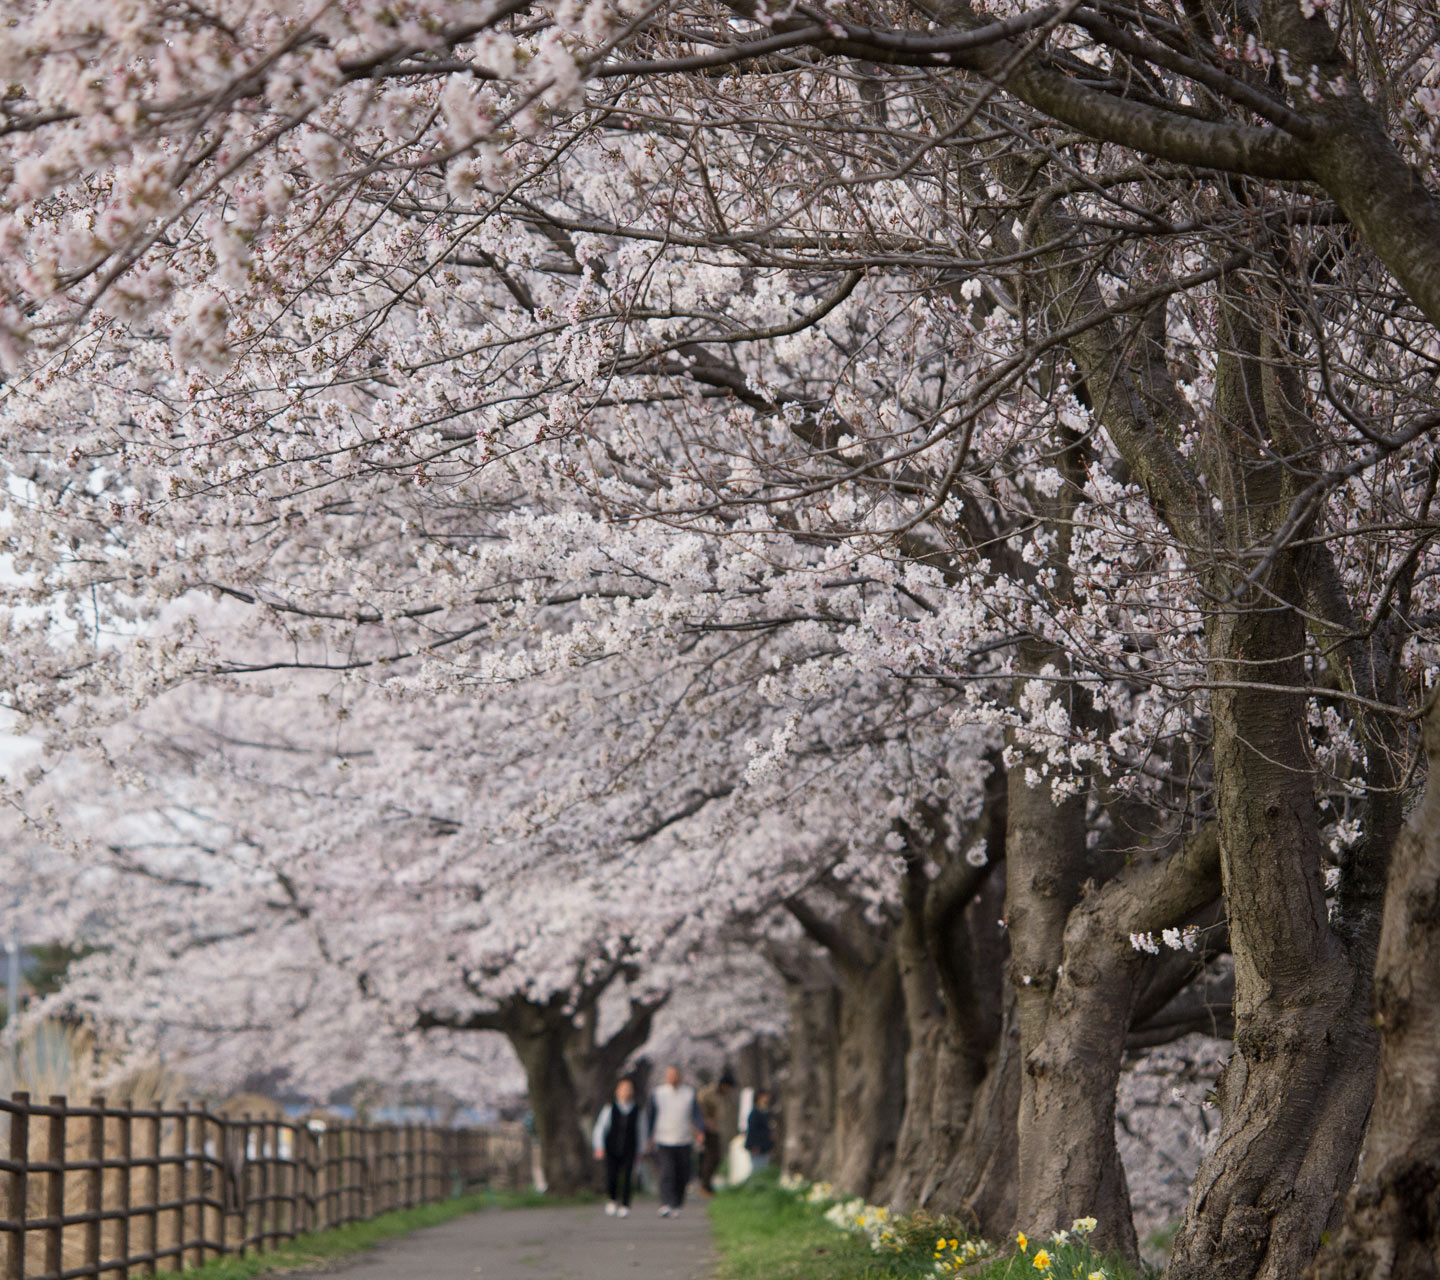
<point x="617" y="1142"/>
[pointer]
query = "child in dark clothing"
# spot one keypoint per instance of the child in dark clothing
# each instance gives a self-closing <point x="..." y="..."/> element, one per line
<point x="759" y="1131"/>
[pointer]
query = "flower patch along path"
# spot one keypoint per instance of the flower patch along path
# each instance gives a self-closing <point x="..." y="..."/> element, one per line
<point x="569" y="1243"/>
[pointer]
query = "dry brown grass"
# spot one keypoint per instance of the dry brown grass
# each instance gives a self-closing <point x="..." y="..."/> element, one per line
<point x="56" y="1060"/>
<point x="245" y="1152"/>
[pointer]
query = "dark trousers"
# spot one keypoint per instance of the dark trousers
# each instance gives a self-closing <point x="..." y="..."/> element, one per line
<point x="618" y="1170"/>
<point x="674" y="1174"/>
<point x="710" y="1162"/>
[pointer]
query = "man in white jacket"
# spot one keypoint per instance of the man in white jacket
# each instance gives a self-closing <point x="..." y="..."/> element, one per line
<point x="674" y="1126"/>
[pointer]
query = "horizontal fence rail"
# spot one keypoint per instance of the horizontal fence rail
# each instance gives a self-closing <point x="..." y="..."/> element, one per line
<point x="120" y="1191"/>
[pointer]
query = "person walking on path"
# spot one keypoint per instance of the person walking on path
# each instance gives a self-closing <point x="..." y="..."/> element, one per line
<point x="760" y="1131"/>
<point x="616" y="1140"/>
<point x="674" y="1125"/>
<point x="714" y="1101"/>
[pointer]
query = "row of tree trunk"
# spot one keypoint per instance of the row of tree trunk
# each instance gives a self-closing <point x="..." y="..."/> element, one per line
<point x="962" y="1051"/>
<point x="944" y="1058"/>
<point x="938" y="1060"/>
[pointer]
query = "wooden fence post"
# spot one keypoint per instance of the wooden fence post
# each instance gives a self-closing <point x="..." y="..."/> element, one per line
<point x="297" y="1188"/>
<point x="150" y="1219"/>
<point x="195" y="1182"/>
<point x="242" y="1184"/>
<point x="355" y="1176"/>
<point x="222" y="1182"/>
<point x="277" y="1187"/>
<point x="334" y="1180"/>
<point x="404" y="1136"/>
<point x="305" y="1140"/>
<point x="55" y="1184"/>
<point x="327" y="1181"/>
<point x="409" y="1165"/>
<point x="176" y="1259"/>
<point x="16" y="1189"/>
<point x="362" y="1172"/>
<point x="298" y="1180"/>
<point x="397" y="1148"/>
<point x="94" y="1188"/>
<point x="382" y="1171"/>
<point x="354" y="1203"/>
<point x="317" y="1178"/>
<point x="357" y="1167"/>
<point x="335" y="1160"/>
<point x="392" y="1166"/>
<point x="123" y="1156"/>
<point x="324" y="1140"/>
<point x="262" y="1226"/>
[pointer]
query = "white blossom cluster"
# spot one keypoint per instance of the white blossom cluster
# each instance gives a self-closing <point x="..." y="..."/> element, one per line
<point x="480" y="524"/>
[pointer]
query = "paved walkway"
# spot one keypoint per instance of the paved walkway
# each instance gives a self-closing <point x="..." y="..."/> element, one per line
<point x="548" y="1244"/>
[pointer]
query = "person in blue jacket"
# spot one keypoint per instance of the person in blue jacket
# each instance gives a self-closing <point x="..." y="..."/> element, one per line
<point x="760" y="1130"/>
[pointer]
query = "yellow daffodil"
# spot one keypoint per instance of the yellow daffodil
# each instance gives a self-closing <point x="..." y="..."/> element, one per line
<point x="1042" y="1261"/>
<point x="1096" y="1275"/>
<point x="954" y="1244"/>
<point x="1021" y="1241"/>
<point x="1083" y="1226"/>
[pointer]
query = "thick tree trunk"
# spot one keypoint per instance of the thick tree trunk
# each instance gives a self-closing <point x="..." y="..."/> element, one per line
<point x="869" y="1075"/>
<point x="808" y="1097"/>
<point x="559" y="1125"/>
<point x="941" y="1083"/>
<point x="958" y="1152"/>
<point x="1075" y="1069"/>
<point x="952" y="963"/>
<point x="1068" y="1162"/>
<point x="869" y="1045"/>
<point x="1295" y="1095"/>
<point x="981" y="1182"/>
<point x="1391" y="1229"/>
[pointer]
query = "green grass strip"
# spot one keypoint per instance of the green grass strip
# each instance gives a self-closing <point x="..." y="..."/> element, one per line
<point x="763" y="1231"/>
<point x="324" y="1247"/>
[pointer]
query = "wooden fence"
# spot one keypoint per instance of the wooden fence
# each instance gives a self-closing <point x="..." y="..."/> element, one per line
<point x="101" y="1190"/>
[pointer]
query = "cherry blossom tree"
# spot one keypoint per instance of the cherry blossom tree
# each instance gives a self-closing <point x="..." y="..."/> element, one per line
<point x="502" y="866"/>
<point x="1069" y="369"/>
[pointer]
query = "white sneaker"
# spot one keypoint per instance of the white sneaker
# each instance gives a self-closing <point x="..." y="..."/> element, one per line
<point x="675" y="1212"/>
<point x="664" y="1210"/>
<point x="623" y="1211"/>
<point x="610" y="1209"/>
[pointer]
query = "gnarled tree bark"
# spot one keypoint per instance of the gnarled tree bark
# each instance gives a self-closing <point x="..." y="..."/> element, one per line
<point x="807" y="1104"/>
<point x="869" y="1045"/>
<point x="555" y="1102"/>
<point x="1391" y="1228"/>
<point x="1296" y="1093"/>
